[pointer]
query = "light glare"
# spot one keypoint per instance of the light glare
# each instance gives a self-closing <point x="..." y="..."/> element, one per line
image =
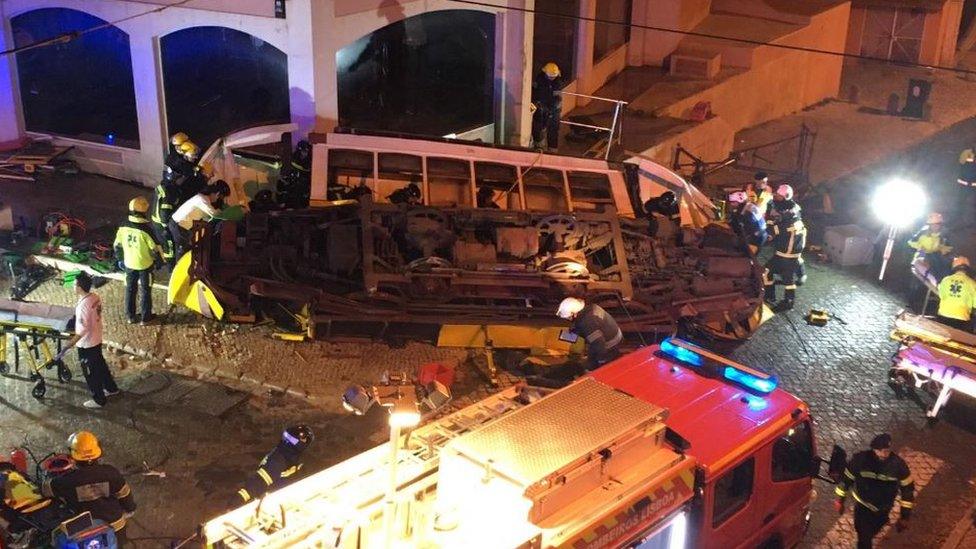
<point x="899" y="202"/>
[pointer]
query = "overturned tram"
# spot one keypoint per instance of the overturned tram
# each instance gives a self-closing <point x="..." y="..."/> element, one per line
<point x="426" y="231"/>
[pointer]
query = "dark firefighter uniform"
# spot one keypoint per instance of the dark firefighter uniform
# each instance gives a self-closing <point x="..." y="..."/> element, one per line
<point x="138" y="249"/>
<point x="166" y="198"/>
<point x="789" y="237"/>
<point x="601" y="332"/>
<point x="876" y="484"/>
<point x="280" y="466"/>
<point x="97" y="488"/>
<point x="548" y="108"/>
<point x="22" y="505"/>
<point x="957" y="298"/>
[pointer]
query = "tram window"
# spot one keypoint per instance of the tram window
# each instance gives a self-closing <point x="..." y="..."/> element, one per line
<point x="589" y="191"/>
<point x="349" y="169"/>
<point x="396" y="171"/>
<point x="502" y="179"/>
<point x="449" y="181"/>
<point x="544" y="190"/>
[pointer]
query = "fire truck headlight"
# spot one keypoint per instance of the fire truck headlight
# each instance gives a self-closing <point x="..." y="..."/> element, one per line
<point x="679" y="532"/>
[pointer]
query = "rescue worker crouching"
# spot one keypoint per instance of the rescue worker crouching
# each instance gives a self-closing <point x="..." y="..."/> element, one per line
<point x="747" y="220"/>
<point x="957" y="296"/>
<point x="139" y="253"/>
<point x="932" y="245"/>
<point x="595" y="325"/>
<point x="878" y="476"/>
<point x="98" y="488"/>
<point x="789" y="237"/>
<point x="547" y="106"/>
<point x="279" y="467"/>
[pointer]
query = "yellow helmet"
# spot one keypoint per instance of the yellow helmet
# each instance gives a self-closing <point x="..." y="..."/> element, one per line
<point x="84" y="446"/>
<point x="551" y="69"/>
<point x="178" y="139"/>
<point x="960" y="261"/>
<point x="138" y="205"/>
<point x="190" y="150"/>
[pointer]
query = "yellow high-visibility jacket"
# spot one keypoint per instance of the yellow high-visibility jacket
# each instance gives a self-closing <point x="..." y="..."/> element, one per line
<point x="138" y="246"/>
<point x="957" y="296"/>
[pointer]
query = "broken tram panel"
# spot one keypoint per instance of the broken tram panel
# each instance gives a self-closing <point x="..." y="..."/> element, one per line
<point x="495" y="235"/>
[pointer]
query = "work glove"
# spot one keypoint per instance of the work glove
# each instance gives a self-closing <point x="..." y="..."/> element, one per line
<point x="901" y="525"/>
<point x="839" y="506"/>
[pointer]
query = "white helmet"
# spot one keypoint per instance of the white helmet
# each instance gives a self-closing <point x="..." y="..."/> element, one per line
<point x="570" y="307"/>
<point x="785" y="192"/>
<point x="738" y="197"/>
<point x="934" y="218"/>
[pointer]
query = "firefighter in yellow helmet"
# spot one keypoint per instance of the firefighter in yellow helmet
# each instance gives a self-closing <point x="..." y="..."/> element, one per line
<point x="138" y="253"/>
<point x="546" y="106"/>
<point x="957" y="296"/>
<point x="176" y="165"/>
<point x="98" y="488"/>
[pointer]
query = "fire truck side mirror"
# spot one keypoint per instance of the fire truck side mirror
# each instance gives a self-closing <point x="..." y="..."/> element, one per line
<point x="835" y="467"/>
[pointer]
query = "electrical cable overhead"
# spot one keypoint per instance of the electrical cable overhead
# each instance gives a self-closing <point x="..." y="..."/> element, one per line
<point x="69" y="36"/>
<point x="718" y="37"/>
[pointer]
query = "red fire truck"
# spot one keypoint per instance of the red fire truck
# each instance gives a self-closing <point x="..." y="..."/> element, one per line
<point x="667" y="447"/>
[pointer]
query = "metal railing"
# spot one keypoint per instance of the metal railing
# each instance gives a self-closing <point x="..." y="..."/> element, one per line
<point x="615" y="125"/>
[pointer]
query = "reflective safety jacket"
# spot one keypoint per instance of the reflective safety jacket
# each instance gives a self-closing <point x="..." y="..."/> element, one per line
<point x="877" y="483"/>
<point x="789" y="239"/>
<point x="276" y="470"/>
<point x="599" y="329"/>
<point x="166" y="198"/>
<point x="957" y="296"/>
<point x="927" y="242"/>
<point x="135" y="243"/>
<point x="96" y="488"/>
<point x="761" y="199"/>
<point x="20" y="494"/>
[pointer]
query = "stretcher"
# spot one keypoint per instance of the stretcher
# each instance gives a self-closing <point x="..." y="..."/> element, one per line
<point x="933" y="357"/>
<point x="36" y="326"/>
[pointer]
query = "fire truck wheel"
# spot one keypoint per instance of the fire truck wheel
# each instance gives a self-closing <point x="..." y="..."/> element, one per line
<point x="39" y="390"/>
<point x="64" y="373"/>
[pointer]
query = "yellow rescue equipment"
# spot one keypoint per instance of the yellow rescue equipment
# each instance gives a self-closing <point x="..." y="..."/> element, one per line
<point x="192" y="294"/>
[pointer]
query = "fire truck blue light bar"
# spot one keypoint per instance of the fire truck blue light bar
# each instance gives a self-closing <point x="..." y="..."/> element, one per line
<point x="717" y="366"/>
<point x="680" y="353"/>
<point x="760" y="384"/>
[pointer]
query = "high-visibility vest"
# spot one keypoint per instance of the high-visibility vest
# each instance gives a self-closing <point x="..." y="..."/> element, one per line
<point x="139" y="248"/>
<point x="957" y="296"/>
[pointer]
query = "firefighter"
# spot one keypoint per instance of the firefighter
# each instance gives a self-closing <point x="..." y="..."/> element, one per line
<point x="759" y="192"/>
<point x="98" y="488"/>
<point x="596" y="326"/>
<point x="409" y="194"/>
<point x="664" y="206"/>
<point x="201" y="206"/>
<point x="22" y="506"/>
<point x="789" y="236"/>
<point x="932" y="245"/>
<point x="279" y="467"/>
<point x="139" y="253"/>
<point x="177" y="166"/>
<point x="878" y="476"/>
<point x="966" y="185"/>
<point x="166" y="198"/>
<point x="486" y="197"/>
<point x="546" y="106"/>
<point x="957" y="296"/>
<point x="198" y="179"/>
<point x="747" y="220"/>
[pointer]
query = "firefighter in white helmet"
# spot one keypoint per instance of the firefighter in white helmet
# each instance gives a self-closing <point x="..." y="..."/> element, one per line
<point x="596" y="326"/>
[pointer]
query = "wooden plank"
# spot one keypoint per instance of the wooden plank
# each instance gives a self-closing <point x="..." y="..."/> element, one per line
<point x="65" y="265"/>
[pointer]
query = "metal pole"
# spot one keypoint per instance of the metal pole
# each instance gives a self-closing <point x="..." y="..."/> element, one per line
<point x="389" y="508"/>
<point x="892" y="231"/>
<point x="613" y="129"/>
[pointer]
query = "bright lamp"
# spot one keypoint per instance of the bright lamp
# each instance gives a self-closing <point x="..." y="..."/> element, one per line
<point x="899" y="202"/>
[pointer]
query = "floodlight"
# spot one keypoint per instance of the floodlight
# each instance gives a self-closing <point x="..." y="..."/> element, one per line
<point x="404" y="413"/>
<point x="899" y="202"/>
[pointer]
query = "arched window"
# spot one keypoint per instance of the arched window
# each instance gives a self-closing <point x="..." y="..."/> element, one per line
<point x="428" y="74"/>
<point x="219" y="80"/>
<point x="81" y="88"/>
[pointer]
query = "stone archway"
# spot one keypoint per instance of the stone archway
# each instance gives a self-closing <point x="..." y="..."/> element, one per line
<point x="217" y="80"/>
<point x="430" y="74"/>
<point x="83" y="88"/>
